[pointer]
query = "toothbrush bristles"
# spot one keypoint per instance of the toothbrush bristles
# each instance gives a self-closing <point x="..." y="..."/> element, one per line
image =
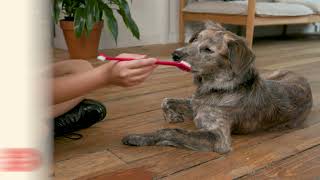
<point x="101" y="58"/>
<point x="186" y="66"/>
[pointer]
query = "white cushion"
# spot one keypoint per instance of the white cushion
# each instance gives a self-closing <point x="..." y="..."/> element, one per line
<point x="191" y="1"/>
<point x="216" y="7"/>
<point x="240" y="8"/>
<point x="313" y="4"/>
<point x="282" y="9"/>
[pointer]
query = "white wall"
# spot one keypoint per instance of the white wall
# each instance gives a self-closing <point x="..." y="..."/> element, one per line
<point x="158" y="21"/>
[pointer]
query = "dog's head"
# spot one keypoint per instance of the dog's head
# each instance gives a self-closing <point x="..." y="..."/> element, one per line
<point x="216" y="53"/>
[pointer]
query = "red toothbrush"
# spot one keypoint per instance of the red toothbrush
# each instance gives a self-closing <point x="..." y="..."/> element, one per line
<point x="181" y="65"/>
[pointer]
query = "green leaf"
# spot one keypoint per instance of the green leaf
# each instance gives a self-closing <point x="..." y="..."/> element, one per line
<point x="96" y="11"/>
<point x="90" y="21"/>
<point x="111" y="21"/>
<point x="124" y="11"/>
<point x="79" y="21"/>
<point x="57" y="9"/>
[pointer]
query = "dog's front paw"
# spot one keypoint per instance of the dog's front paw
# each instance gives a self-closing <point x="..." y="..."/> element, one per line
<point x="169" y="113"/>
<point x="172" y="117"/>
<point x="138" y="140"/>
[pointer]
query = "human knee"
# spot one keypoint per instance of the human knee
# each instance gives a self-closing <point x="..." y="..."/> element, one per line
<point x="71" y="67"/>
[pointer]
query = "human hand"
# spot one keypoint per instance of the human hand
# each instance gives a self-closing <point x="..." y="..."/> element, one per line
<point x="130" y="73"/>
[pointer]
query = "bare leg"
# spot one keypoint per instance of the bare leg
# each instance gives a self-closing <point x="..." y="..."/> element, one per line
<point x="59" y="109"/>
<point x="65" y="68"/>
<point x="177" y="110"/>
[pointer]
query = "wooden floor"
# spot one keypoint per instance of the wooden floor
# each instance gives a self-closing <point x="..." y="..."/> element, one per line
<point x="100" y="154"/>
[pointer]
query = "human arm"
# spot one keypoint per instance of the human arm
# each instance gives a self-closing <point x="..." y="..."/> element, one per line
<point x="128" y="73"/>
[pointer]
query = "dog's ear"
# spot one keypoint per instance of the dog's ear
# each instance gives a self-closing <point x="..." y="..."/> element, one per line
<point x="215" y="26"/>
<point x="239" y="54"/>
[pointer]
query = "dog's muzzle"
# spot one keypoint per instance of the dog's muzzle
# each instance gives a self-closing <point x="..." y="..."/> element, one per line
<point x="177" y="55"/>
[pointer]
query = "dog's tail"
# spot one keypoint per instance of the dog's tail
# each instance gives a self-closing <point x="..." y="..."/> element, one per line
<point x="200" y="140"/>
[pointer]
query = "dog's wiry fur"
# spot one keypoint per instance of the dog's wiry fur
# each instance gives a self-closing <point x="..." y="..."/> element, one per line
<point x="231" y="96"/>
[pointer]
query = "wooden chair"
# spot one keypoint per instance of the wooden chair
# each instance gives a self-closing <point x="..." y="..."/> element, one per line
<point x="250" y="20"/>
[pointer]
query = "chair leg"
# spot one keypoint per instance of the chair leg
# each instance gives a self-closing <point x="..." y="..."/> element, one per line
<point x="316" y="29"/>
<point x="250" y="21"/>
<point x="249" y="34"/>
<point x="181" y="29"/>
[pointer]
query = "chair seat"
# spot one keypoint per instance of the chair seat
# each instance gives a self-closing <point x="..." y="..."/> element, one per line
<point x="312" y="4"/>
<point x="240" y="8"/>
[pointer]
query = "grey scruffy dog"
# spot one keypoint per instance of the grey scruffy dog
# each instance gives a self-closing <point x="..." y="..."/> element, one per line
<point x="231" y="96"/>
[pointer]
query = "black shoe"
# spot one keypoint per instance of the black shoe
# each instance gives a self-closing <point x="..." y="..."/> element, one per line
<point x="84" y="115"/>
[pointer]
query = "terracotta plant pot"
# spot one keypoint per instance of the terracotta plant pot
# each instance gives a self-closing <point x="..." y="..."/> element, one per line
<point x="84" y="47"/>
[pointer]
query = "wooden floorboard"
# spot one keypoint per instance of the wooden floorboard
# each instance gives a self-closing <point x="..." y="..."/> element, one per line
<point x="245" y="161"/>
<point x="81" y="164"/>
<point x="304" y="165"/>
<point x="100" y="154"/>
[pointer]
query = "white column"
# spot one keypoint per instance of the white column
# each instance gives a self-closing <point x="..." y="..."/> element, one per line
<point x="25" y="125"/>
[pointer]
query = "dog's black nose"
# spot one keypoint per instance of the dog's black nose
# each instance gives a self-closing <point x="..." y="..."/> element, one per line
<point x="177" y="55"/>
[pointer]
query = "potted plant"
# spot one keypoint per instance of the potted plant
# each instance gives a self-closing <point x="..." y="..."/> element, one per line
<point x="84" y="19"/>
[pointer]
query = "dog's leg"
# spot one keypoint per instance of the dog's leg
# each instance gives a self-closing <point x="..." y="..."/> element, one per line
<point x="177" y="110"/>
<point x="217" y="140"/>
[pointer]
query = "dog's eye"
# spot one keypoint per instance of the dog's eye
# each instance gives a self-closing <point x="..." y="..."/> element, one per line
<point x="207" y="50"/>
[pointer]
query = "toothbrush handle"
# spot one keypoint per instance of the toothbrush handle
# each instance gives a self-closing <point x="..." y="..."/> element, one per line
<point x="116" y="58"/>
<point x="168" y="63"/>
